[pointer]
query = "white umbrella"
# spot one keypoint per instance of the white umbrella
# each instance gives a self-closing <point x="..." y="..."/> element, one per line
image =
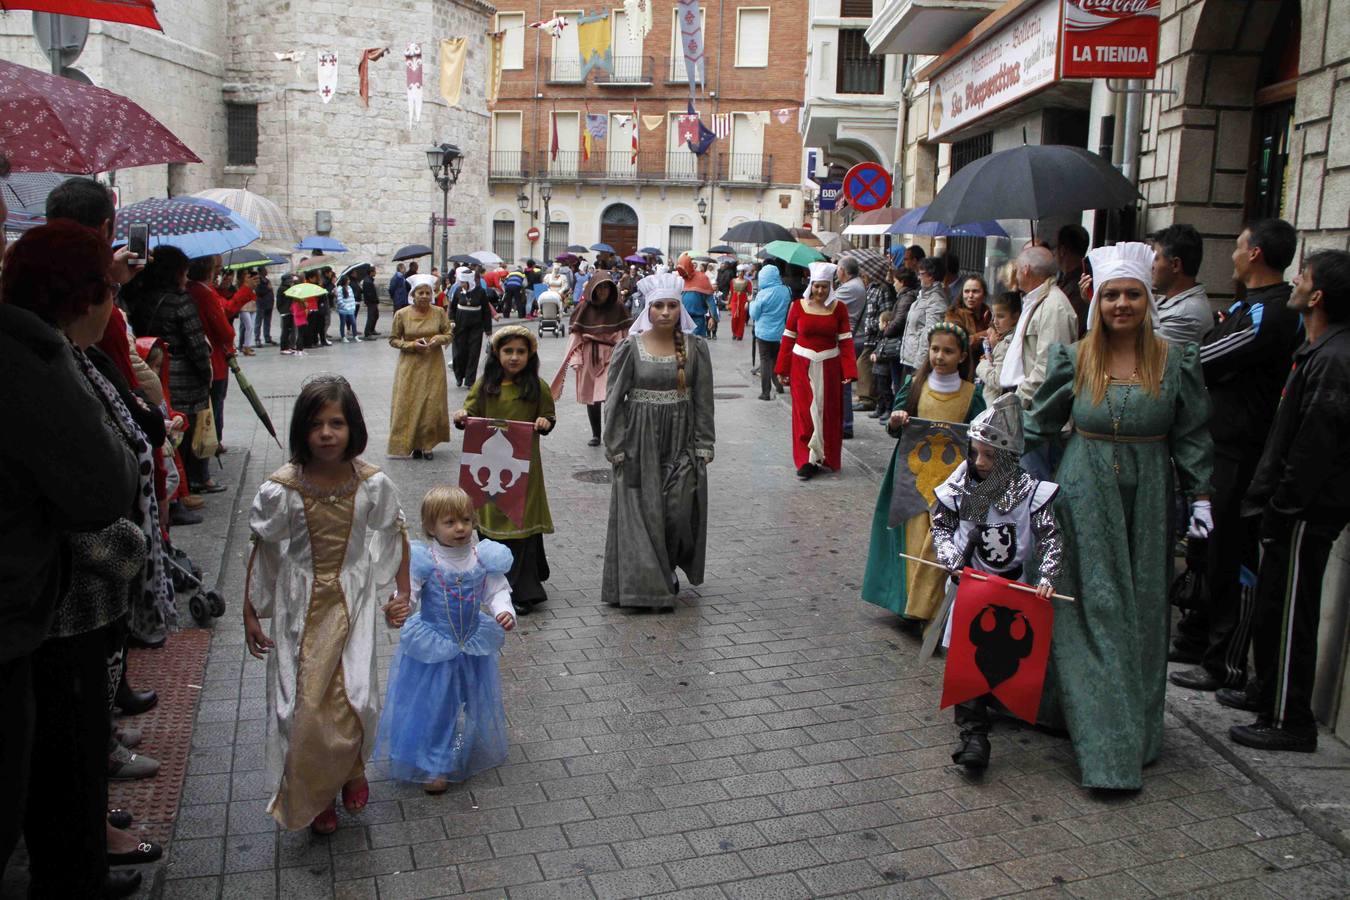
<point x="486" y="257"/>
<point x="262" y="213"/>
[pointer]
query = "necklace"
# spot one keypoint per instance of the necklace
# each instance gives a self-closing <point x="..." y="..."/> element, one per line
<point x="329" y="493"/>
<point x="1115" y="421"/>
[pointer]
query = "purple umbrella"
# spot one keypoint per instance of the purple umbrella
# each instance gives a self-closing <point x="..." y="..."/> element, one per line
<point x="636" y="260"/>
<point x="911" y="223"/>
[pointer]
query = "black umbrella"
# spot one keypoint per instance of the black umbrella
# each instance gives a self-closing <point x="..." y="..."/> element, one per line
<point x="652" y="251"/>
<point x="577" y="248"/>
<point x="756" y="231"/>
<point x="722" y="248"/>
<point x="1031" y="182"/>
<point x="412" y="251"/>
<point x="253" y="399"/>
<point x="464" y="259"/>
<point x="602" y="248"/>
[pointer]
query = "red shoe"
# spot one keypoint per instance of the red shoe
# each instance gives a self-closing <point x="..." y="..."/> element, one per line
<point x="355" y="795"/>
<point x="325" y="822"/>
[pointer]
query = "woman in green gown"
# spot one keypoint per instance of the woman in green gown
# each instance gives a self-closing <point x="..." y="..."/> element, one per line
<point x="1137" y="408"/>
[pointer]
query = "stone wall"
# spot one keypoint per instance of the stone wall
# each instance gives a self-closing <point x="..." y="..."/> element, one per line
<point x="365" y="165"/>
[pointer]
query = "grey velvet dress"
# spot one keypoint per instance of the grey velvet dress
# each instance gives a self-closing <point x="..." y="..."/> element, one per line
<point x="660" y="442"/>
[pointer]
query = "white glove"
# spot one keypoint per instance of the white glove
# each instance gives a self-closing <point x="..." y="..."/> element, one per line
<point x="1202" y="520"/>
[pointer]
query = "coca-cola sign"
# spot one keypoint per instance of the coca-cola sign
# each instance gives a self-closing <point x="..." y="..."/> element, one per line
<point x="1110" y="38"/>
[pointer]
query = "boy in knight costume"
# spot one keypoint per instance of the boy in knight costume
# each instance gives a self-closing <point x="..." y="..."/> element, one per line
<point x="992" y="516"/>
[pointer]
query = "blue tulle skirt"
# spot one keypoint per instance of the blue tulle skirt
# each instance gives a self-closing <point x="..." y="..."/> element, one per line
<point x="443" y="717"/>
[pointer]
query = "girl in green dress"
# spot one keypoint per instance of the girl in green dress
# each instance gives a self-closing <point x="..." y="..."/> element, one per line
<point x="1138" y="406"/>
<point x="512" y="389"/>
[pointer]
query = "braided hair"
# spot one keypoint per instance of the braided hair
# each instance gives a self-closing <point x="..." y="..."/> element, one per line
<point x="681" y="358"/>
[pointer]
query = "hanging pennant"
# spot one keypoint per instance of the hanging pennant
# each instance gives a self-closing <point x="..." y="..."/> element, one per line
<point x="495" y="464"/>
<point x="722" y="125"/>
<point x="927" y="453"/>
<point x="638" y="15"/>
<point x="1000" y="645"/>
<point x="328" y="75"/>
<point x="494" y="82"/>
<point x="553" y="144"/>
<point x="651" y="123"/>
<point x="555" y="26"/>
<point x="453" y="53"/>
<point x="634" y="131"/>
<point x="294" y="56"/>
<point x="597" y="126"/>
<point x="687" y="129"/>
<point x="370" y="55"/>
<point x="784" y="115"/>
<point x="691" y="41"/>
<point x="594" y="42"/>
<point x="412" y="62"/>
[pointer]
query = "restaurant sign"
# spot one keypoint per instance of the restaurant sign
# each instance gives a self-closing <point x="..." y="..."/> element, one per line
<point x="1018" y="59"/>
<point x="1110" y="38"/>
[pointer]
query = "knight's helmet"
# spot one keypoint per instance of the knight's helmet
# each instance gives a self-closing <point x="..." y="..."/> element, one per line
<point x="1000" y="426"/>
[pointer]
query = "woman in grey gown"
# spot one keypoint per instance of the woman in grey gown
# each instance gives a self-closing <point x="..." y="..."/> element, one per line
<point x="659" y="438"/>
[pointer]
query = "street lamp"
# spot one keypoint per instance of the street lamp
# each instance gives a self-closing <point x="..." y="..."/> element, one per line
<point x="445" y="162"/>
<point x="546" y="193"/>
<point x="703" y="210"/>
<point x="523" y="202"/>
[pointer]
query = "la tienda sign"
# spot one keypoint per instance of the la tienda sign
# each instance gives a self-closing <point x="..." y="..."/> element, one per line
<point x="1110" y="38"/>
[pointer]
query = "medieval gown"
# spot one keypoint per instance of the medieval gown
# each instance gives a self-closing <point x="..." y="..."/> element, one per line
<point x="1108" y="667"/>
<point x="659" y="442"/>
<point x="738" y="303"/>
<point x="420" y="418"/>
<point x="817" y="355"/>
<point x="324" y="564"/>
<point x="912" y="589"/>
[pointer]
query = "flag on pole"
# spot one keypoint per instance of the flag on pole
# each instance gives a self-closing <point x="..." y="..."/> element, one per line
<point x="634" y="131"/>
<point x="553" y="145"/>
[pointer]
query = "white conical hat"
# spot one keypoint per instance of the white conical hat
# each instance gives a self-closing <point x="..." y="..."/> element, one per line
<point x="664" y="286"/>
<point x="1000" y="425"/>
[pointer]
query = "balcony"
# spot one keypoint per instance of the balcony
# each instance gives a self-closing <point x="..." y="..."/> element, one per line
<point x="925" y="27"/>
<point x="628" y="71"/>
<point x="674" y="167"/>
<point x="565" y="70"/>
<point x="677" y="74"/>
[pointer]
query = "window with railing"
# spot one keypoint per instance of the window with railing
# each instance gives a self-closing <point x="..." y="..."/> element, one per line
<point x="504" y="238"/>
<point x="682" y="165"/>
<point x="626" y="70"/>
<point x="559" y="236"/>
<point x="681" y="239"/>
<point x="508" y="164"/>
<point x="241" y="133"/>
<point x="565" y="70"/>
<point x="858" y="71"/>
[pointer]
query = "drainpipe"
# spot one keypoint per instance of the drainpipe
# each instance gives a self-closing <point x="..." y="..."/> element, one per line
<point x="1130" y="140"/>
<point x="717" y="102"/>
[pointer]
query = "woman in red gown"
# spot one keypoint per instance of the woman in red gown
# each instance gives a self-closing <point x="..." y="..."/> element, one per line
<point x="816" y="360"/>
<point x="738" y="301"/>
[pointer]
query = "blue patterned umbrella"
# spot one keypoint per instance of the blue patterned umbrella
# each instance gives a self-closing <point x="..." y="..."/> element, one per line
<point x="197" y="227"/>
<point x="912" y="223"/>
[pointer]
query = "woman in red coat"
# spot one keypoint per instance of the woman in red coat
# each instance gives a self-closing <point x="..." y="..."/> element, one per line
<point x="738" y="301"/>
<point x="816" y="360"/>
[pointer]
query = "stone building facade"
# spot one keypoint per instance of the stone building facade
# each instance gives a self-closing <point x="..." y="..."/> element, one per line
<point x="365" y="166"/>
<point x="753" y="172"/>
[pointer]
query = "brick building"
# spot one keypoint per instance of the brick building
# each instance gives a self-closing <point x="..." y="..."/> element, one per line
<point x="667" y="197"/>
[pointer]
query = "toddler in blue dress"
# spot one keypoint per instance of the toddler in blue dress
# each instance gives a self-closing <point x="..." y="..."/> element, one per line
<point x="443" y="717"/>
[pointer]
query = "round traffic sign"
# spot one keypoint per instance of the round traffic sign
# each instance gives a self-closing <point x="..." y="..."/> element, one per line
<point x="867" y="186"/>
<point x="532" y="234"/>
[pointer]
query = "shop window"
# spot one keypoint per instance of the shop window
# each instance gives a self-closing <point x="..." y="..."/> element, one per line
<point x="504" y="239"/>
<point x="241" y="133"/>
<point x="858" y="71"/>
<point x="681" y="240"/>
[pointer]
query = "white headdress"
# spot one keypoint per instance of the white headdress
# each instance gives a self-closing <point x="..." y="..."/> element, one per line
<point x="823" y="271"/>
<point x="1130" y="259"/>
<point x="644" y="320"/>
<point x="419" y="280"/>
<point x="464" y="274"/>
<point x="663" y="286"/>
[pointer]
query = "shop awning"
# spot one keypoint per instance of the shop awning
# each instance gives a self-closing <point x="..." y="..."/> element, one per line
<point x="924" y="27"/>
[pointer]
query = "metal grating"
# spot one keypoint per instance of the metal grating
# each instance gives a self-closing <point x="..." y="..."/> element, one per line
<point x="504" y="238"/>
<point x="681" y="240"/>
<point x="241" y="132"/>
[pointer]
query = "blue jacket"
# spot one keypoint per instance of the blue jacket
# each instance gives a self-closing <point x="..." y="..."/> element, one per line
<point x="769" y="309"/>
<point x="398" y="290"/>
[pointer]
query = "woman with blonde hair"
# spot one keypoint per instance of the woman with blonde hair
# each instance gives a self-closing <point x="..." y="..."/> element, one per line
<point x="1137" y="406"/>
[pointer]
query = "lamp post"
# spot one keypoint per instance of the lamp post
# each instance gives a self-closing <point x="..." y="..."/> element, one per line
<point x="546" y="193"/>
<point x="445" y="162"/>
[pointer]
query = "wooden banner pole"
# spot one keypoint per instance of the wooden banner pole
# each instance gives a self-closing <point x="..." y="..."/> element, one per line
<point x="1017" y="586"/>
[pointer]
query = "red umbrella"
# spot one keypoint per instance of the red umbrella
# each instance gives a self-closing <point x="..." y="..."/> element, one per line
<point x="51" y="124"/>
<point x="132" y="12"/>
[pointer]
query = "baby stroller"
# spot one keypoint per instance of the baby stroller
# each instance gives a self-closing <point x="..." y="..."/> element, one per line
<point x="550" y="314"/>
<point x="204" y="605"/>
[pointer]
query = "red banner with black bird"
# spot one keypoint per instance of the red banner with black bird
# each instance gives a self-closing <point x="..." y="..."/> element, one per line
<point x="494" y="466"/>
<point x="1000" y="644"/>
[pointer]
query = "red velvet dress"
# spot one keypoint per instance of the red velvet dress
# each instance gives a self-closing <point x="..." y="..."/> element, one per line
<point x="738" y="303"/>
<point x="817" y="356"/>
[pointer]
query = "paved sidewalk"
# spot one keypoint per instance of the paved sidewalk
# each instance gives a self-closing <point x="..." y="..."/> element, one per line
<point x="774" y="737"/>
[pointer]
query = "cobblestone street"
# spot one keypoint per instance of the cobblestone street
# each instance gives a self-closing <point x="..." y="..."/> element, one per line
<point x="773" y="737"/>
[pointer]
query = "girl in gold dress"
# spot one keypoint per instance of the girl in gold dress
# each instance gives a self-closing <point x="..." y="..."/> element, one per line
<point x="329" y="544"/>
<point x="421" y="411"/>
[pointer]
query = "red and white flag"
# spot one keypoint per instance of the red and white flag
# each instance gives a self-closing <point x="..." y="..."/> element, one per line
<point x="494" y="466"/>
<point x="554" y="26"/>
<point x="553" y="145"/>
<point x="634" y="132"/>
<point x="722" y="125"/>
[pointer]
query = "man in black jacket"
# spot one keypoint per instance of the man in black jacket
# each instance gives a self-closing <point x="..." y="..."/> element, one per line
<point x="371" y="298"/>
<point x="1245" y="359"/>
<point x="1302" y="495"/>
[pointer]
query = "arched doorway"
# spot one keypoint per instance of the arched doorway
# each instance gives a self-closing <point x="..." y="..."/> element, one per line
<point x="619" y="228"/>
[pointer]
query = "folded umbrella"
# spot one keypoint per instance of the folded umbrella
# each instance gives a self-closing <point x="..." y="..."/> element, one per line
<point x="272" y="224"/>
<point x="74" y="127"/>
<point x="320" y="244"/>
<point x="412" y="251"/>
<point x="756" y="231"/>
<point x="197" y="227"/>
<point x="793" y="252"/>
<point x="129" y="12"/>
<point x="253" y="399"/>
<point x="1031" y="182"/>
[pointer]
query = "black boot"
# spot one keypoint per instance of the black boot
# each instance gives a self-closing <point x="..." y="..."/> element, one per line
<point x="121" y="882"/>
<point x="133" y="703"/>
<point x="974" y="751"/>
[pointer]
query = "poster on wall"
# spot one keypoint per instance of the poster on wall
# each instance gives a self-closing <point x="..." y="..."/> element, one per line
<point x="1017" y="60"/>
<point x="1110" y="38"/>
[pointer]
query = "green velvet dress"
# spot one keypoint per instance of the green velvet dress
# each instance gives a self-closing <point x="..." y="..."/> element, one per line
<point x="1108" y="669"/>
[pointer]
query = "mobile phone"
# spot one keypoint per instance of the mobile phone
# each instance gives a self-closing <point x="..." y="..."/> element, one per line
<point x="138" y="241"/>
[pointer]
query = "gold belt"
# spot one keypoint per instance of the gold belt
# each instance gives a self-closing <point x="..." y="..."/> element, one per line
<point x="1122" y="438"/>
